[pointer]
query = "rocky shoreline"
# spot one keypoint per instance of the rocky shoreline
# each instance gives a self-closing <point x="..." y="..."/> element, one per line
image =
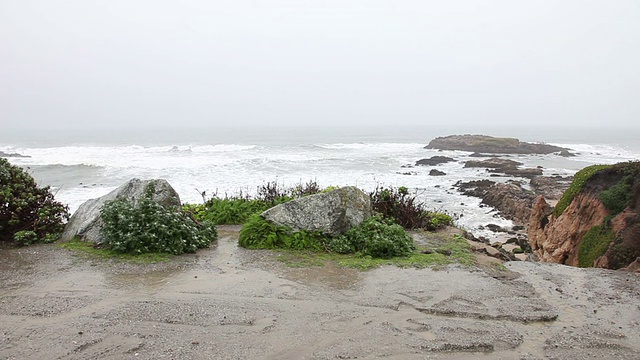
<point x="513" y="199"/>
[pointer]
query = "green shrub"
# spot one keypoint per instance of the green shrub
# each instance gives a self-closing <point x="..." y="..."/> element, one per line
<point x="617" y="197"/>
<point x="594" y="244"/>
<point x="28" y="214"/>
<point x="226" y="211"/>
<point x="148" y="227"/>
<point x="375" y="237"/>
<point x="579" y="180"/>
<point x="258" y="233"/>
<point x="403" y="208"/>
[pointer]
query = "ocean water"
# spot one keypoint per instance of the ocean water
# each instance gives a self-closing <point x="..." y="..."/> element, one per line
<point x="80" y="165"/>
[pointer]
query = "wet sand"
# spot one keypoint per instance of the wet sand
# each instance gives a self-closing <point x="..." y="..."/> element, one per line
<point x="230" y="303"/>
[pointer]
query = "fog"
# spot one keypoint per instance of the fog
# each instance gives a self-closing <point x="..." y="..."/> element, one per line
<point x="84" y="64"/>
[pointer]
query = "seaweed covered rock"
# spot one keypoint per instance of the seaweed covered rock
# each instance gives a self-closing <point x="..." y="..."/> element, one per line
<point x="86" y="222"/>
<point x="332" y="213"/>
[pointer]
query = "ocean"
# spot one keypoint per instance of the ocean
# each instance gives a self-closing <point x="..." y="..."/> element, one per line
<point x="80" y="165"/>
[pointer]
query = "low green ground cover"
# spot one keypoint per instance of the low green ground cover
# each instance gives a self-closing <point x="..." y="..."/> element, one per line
<point x="455" y="250"/>
<point x="91" y="250"/>
<point x="594" y="244"/>
<point x="579" y="180"/>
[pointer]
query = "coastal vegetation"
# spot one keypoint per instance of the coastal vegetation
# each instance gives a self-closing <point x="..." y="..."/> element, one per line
<point x="258" y="233"/>
<point x="382" y="236"/>
<point x="594" y="244"/>
<point x="28" y="214"/>
<point x="406" y="210"/>
<point x="237" y="209"/>
<point x="579" y="180"/>
<point x="146" y="226"/>
<point x="91" y="251"/>
<point x="453" y="250"/>
<point x="618" y="196"/>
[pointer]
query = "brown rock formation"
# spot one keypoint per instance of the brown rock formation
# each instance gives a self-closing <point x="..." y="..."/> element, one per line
<point x="560" y="239"/>
<point x="556" y="239"/>
<point x="512" y="200"/>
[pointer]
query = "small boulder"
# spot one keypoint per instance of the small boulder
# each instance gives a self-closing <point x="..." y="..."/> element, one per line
<point x="435" y="160"/>
<point x="332" y="213"/>
<point x="436" y="172"/>
<point x="86" y="222"/>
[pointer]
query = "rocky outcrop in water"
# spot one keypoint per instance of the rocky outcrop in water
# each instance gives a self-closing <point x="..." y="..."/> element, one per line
<point x="600" y="225"/>
<point x="510" y="199"/>
<point x="333" y="212"/>
<point x="491" y="145"/>
<point x="505" y="166"/>
<point x="86" y="222"/>
<point x="435" y="160"/>
<point x="15" y="155"/>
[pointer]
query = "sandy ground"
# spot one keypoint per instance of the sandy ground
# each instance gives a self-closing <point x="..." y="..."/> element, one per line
<point x="231" y="303"/>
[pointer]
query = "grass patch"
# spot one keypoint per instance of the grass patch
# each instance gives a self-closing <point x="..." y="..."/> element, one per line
<point x="579" y="180"/>
<point x="89" y="249"/>
<point x="227" y="211"/>
<point x="454" y="251"/>
<point x="594" y="244"/>
<point x="498" y="266"/>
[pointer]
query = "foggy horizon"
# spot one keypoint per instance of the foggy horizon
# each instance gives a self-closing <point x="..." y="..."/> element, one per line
<point x="277" y="63"/>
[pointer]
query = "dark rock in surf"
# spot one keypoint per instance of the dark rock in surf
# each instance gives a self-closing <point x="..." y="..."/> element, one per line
<point x="435" y="160"/>
<point x="505" y="166"/>
<point x="13" y="155"/>
<point x="436" y="172"/>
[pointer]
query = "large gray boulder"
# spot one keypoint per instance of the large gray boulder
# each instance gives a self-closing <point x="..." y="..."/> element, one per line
<point x="333" y="212"/>
<point x="86" y="222"/>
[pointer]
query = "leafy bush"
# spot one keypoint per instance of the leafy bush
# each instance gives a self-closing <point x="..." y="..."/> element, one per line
<point x="617" y="197"/>
<point x="226" y="211"/>
<point x="375" y="237"/>
<point x="398" y="205"/>
<point x="579" y="180"/>
<point x="258" y="233"/>
<point x="594" y="244"/>
<point x="148" y="227"/>
<point x="28" y="214"/>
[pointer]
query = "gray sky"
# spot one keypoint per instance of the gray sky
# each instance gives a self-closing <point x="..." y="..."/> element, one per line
<point x="80" y="63"/>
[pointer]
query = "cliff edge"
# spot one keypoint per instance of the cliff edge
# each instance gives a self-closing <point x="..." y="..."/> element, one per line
<point x="595" y="224"/>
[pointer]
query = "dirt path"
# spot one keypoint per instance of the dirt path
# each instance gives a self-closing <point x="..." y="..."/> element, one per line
<point x="231" y="303"/>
